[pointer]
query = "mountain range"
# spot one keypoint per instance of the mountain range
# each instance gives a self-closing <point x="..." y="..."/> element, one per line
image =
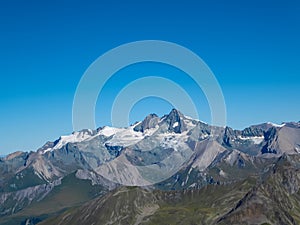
<point x="162" y="170"/>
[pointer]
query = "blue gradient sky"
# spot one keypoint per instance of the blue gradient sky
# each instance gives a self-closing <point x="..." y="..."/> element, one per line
<point x="252" y="47"/>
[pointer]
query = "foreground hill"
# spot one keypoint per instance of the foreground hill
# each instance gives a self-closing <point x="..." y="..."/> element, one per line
<point x="273" y="200"/>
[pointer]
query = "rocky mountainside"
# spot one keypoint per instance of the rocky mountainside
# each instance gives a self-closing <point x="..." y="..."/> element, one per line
<point x="136" y="205"/>
<point x="171" y="153"/>
<point x="272" y="200"/>
<point x="275" y="200"/>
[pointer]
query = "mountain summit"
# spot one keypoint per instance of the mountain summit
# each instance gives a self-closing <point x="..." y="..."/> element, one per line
<point x="175" y="121"/>
<point x="151" y="121"/>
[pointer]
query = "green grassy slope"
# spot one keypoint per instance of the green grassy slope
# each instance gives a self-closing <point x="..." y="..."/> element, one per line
<point x="132" y="205"/>
<point x="72" y="192"/>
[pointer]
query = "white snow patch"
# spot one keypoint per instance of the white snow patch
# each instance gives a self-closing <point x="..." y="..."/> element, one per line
<point x="190" y="118"/>
<point x="74" y="137"/>
<point x="108" y="131"/>
<point x="127" y="136"/>
<point x="190" y="170"/>
<point x="174" y="140"/>
<point x="193" y="185"/>
<point x="276" y="125"/>
<point x="222" y="173"/>
<point x="190" y="123"/>
<point x="150" y="131"/>
<point x="121" y="136"/>
<point x="175" y="124"/>
<point x="187" y="178"/>
<point x="46" y="150"/>
<point x="204" y="135"/>
<point x="255" y="139"/>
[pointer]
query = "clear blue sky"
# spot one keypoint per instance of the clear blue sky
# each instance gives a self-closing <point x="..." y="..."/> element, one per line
<point x="252" y="47"/>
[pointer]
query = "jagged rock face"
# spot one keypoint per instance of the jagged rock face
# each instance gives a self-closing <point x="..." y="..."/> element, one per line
<point x="282" y="140"/>
<point x="151" y="121"/>
<point x="265" y="139"/>
<point x="175" y="121"/>
<point x="270" y="136"/>
<point x="229" y="136"/>
<point x="114" y="150"/>
<point x="252" y="131"/>
<point x="12" y="162"/>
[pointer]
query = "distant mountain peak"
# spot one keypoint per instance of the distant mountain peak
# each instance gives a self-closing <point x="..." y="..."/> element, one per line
<point x="175" y="112"/>
<point x="175" y="121"/>
<point x="151" y="121"/>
